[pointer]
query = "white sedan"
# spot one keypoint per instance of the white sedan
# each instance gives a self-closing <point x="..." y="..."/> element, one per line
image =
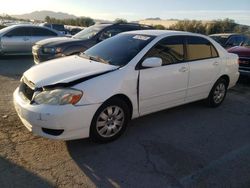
<point x="95" y="94"/>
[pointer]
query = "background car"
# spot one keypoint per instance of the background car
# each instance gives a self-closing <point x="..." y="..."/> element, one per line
<point x="75" y="30"/>
<point x="19" y="39"/>
<point x="243" y="52"/>
<point x="228" y="40"/>
<point x="58" y="27"/>
<point x="58" y="47"/>
<point x="127" y="76"/>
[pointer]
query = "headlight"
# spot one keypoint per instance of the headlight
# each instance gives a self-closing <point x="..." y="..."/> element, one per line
<point x="51" y="50"/>
<point x="60" y="96"/>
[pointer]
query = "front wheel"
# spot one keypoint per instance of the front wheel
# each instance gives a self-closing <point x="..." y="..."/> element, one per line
<point x="110" y="121"/>
<point x="218" y="93"/>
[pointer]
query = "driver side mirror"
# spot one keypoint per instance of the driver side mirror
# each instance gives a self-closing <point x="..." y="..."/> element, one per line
<point x="152" y="62"/>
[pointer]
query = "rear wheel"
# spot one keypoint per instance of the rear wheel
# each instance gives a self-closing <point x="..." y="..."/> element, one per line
<point x="110" y="121"/>
<point x="218" y="93"/>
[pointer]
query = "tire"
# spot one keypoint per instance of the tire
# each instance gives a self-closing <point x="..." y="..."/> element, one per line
<point x="110" y="121"/>
<point x="217" y="93"/>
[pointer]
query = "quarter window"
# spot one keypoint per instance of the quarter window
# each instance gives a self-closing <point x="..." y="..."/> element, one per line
<point x="170" y="50"/>
<point x="199" y="48"/>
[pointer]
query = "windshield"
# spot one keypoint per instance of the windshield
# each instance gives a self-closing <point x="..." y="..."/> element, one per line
<point x="89" y="32"/>
<point x="6" y="29"/>
<point x="221" y="39"/>
<point x="118" y="50"/>
<point x="246" y="43"/>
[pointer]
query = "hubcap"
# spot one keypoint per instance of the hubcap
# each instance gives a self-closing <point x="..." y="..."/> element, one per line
<point x="219" y="93"/>
<point x="110" y="121"/>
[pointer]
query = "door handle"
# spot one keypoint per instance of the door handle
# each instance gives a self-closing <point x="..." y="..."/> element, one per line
<point x="216" y="63"/>
<point x="25" y="39"/>
<point x="183" y="69"/>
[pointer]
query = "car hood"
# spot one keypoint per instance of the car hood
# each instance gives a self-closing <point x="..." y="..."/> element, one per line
<point x="65" y="70"/>
<point x="240" y="51"/>
<point x="57" y="41"/>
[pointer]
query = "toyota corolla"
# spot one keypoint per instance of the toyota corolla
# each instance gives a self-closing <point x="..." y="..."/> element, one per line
<point x="96" y="93"/>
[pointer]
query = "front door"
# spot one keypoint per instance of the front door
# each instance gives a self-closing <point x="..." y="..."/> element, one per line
<point x="17" y="41"/>
<point x="165" y="86"/>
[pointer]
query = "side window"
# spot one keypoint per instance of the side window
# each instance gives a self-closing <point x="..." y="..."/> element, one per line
<point x="199" y="48"/>
<point x="170" y="50"/>
<point x="110" y="33"/>
<point x="19" y="32"/>
<point x="42" y="32"/>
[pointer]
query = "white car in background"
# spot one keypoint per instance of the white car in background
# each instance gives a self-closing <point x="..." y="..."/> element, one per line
<point x="130" y="75"/>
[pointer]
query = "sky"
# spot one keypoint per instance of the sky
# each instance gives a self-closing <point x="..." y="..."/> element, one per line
<point x="133" y="10"/>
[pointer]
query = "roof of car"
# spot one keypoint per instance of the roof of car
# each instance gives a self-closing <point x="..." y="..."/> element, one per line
<point x="225" y="34"/>
<point x="158" y="32"/>
<point x="24" y="25"/>
<point x="31" y="25"/>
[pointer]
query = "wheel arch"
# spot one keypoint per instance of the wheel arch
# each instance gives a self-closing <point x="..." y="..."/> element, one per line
<point x="225" y="77"/>
<point x="126" y="99"/>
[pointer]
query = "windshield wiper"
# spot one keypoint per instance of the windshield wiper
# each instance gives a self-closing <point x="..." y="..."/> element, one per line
<point x="94" y="58"/>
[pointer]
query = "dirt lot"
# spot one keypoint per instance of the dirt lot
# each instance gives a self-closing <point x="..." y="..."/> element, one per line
<point x="188" y="146"/>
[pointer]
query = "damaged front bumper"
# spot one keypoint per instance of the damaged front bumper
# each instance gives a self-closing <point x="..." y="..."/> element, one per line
<point x="65" y="122"/>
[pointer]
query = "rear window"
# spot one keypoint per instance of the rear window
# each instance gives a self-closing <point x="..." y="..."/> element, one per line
<point x="200" y="48"/>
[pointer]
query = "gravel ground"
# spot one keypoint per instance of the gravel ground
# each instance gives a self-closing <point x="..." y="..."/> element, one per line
<point x="188" y="146"/>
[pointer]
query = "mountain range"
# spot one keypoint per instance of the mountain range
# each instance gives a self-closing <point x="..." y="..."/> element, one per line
<point x="40" y="15"/>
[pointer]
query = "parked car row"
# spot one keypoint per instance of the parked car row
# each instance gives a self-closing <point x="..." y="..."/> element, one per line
<point x="59" y="47"/>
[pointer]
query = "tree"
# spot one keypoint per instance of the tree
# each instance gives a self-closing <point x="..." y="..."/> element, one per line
<point x="82" y="21"/>
<point x="160" y="27"/>
<point x="215" y="26"/>
<point x="47" y="19"/>
<point x="120" y="20"/>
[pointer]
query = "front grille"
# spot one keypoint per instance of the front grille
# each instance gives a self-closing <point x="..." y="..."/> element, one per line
<point x="26" y="91"/>
<point x="244" y="62"/>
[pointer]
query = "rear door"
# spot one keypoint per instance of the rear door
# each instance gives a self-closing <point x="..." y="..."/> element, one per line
<point x="204" y="65"/>
<point x="165" y="86"/>
<point x="17" y="41"/>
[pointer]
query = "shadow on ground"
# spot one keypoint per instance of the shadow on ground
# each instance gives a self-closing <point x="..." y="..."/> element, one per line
<point x="12" y="175"/>
<point x="15" y="66"/>
<point x="168" y="147"/>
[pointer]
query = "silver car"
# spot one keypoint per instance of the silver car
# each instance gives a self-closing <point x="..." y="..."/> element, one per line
<point x="19" y="39"/>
